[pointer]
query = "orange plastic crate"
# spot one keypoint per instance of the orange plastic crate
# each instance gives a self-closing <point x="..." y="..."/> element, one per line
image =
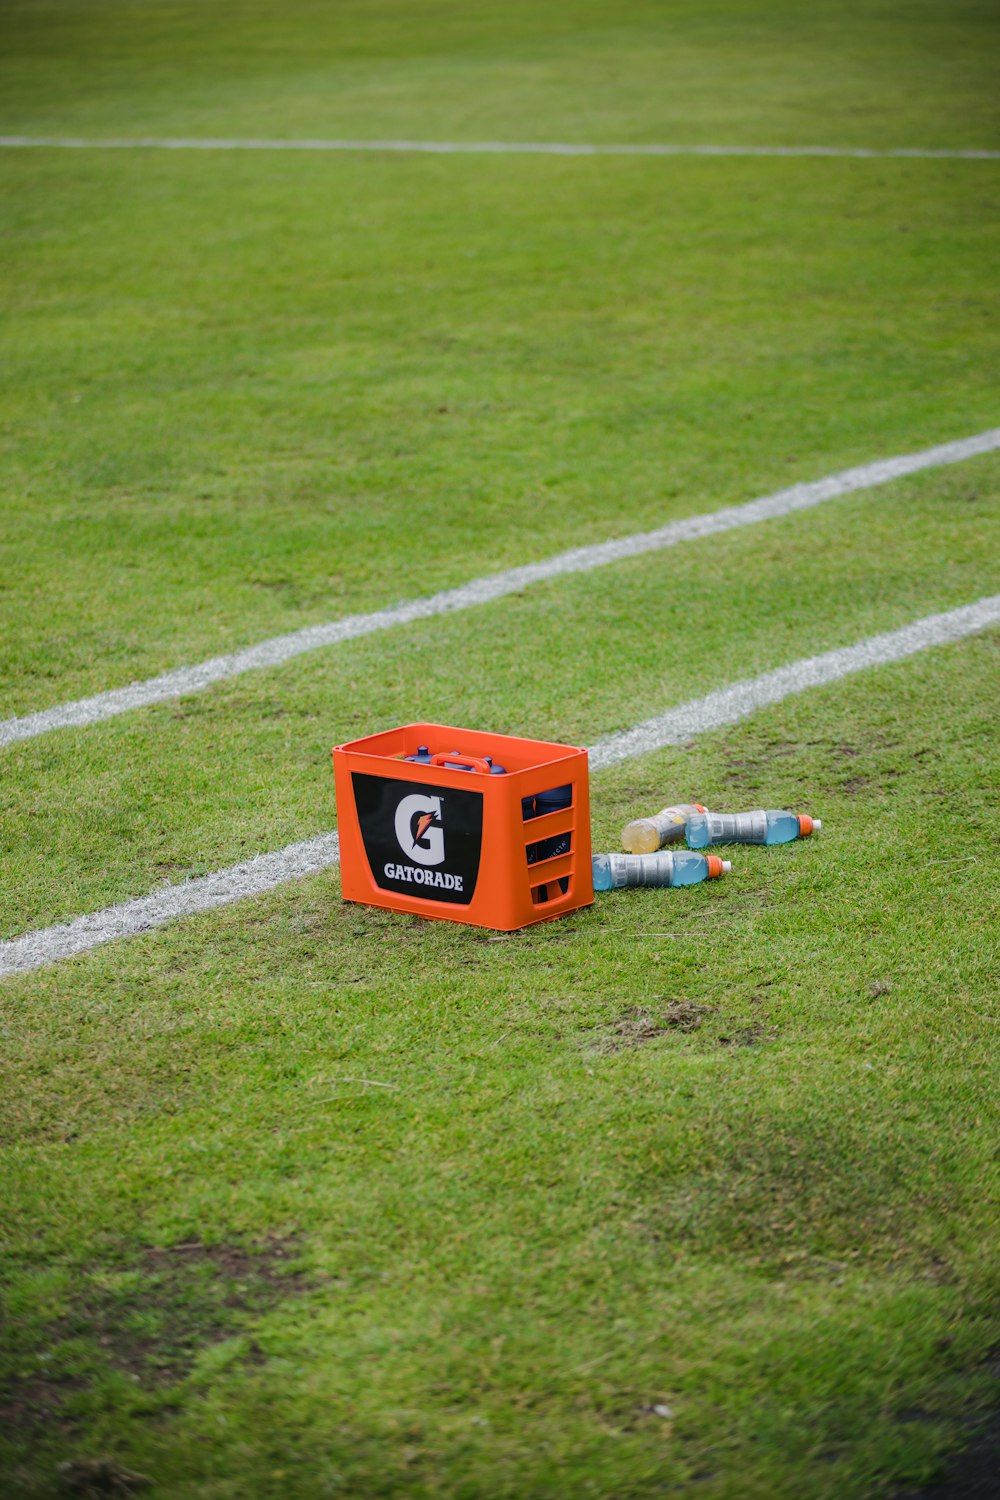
<point x="455" y="844"/>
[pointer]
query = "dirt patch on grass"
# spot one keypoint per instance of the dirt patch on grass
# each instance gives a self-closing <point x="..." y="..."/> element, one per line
<point x="95" y="1477"/>
<point x="148" y="1317"/>
<point x="832" y="768"/>
<point x="637" y="1026"/>
<point x="268" y="1265"/>
<point x="748" y="770"/>
<point x="753" y="1035"/>
<point x="38" y="1400"/>
<point x="971" y="1473"/>
<point x="188" y="1296"/>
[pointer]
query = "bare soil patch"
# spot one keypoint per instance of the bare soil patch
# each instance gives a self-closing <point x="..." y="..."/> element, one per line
<point x="753" y="1035"/>
<point x="95" y="1477"/>
<point x="636" y="1027"/>
<point x="148" y="1317"/>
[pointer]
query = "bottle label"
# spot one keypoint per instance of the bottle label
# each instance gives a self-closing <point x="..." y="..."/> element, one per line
<point x="559" y="843"/>
<point x="737" y="828"/>
<point x="641" y="869"/>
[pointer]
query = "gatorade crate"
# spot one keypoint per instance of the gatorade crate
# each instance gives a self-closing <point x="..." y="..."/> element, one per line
<point x="453" y="841"/>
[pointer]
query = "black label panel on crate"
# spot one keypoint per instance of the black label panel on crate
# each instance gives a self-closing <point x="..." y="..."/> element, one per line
<point x="420" y="840"/>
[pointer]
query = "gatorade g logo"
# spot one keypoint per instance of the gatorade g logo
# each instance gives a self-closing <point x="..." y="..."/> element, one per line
<point x="419" y="830"/>
<point x="420" y="841"/>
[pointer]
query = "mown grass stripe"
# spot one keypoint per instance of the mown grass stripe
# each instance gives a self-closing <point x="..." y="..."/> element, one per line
<point x="495" y="148"/>
<point x="726" y="706"/>
<point x="181" y="681"/>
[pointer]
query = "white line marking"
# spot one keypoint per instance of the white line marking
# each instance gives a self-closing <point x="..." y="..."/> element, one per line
<point x="679" y="725"/>
<point x="126" y="919"/>
<point x="282" y="648"/>
<point x="254" y="876"/>
<point x="492" y="148"/>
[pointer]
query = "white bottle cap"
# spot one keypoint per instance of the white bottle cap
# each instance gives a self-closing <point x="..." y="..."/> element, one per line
<point x="727" y="866"/>
<point x="817" y="824"/>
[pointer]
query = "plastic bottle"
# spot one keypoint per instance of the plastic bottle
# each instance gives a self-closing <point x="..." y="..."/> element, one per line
<point x="555" y="800"/>
<point x="422" y="757"/>
<point x="748" y="828"/>
<point x="646" y="835"/>
<point x="675" y="867"/>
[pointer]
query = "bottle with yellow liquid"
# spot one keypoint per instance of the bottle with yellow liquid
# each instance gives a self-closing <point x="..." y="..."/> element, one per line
<point x="646" y="835"/>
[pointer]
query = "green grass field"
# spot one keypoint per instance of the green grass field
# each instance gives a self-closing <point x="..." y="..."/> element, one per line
<point x="694" y="1192"/>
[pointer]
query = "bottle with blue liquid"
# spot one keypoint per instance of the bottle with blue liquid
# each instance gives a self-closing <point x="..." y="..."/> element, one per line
<point x="759" y="827"/>
<point x="613" y="872"/>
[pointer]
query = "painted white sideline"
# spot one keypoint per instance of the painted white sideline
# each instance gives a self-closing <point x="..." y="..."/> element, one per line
<point x="183" y="680"/>
<point x="479" y="148"/>
<point x="147" y="912"/>
<point x="254" y="876"/>
<point x="678" y="725"/>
